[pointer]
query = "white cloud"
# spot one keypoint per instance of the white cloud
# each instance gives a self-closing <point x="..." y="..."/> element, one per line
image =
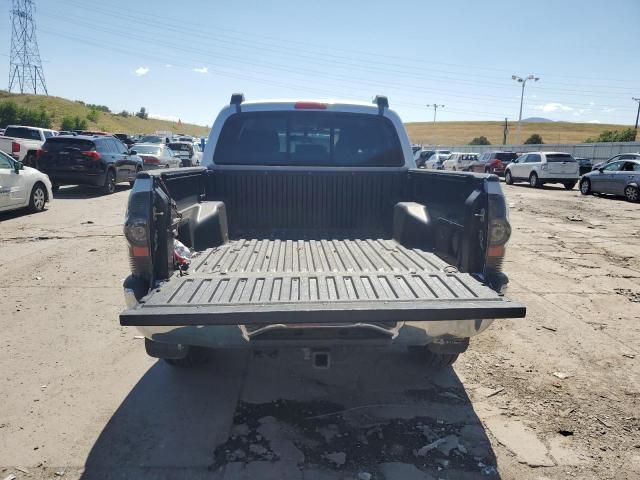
<point x="591" y="104"/>
<point x="201" y="70"/>
<point x="554" y="107"/>
<point x="594" y="121"/>
<point x="168" y="65"/>
<point x="608" y="110"/>
<point x="140" y="71"/>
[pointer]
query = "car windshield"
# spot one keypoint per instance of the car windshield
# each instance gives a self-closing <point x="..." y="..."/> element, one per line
<point x="308" y="138"/>
<point x="183" y="147"/>
<point x="151" y="139"/>
<point x="150" y="149"/>
<point x="559" y="157"/>
<point x="22" y="132"/>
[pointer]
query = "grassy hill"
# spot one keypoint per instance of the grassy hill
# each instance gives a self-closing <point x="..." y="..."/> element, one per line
<point x="461" y="133"/>
<point x="109" y="122"/>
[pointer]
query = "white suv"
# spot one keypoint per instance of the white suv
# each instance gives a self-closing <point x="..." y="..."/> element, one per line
<point x="539" y="168"/>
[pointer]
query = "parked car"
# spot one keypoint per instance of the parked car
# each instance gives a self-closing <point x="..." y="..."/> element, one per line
<point x="615" y="158"/>
<point x="1" y="131"/>
<point x="493" y="162"/>
<point x="621" y="178"/>
<point x="436" y="161"/>
<point x="584" y="164"/>
<point x="23" y="143"/>
<point x="101" y="161"/>
<point x="539" y="168"/>
<point x="65" y="132"/>
<point x="362" y="262"/>
<point x="152" y="139"/>
<point x="93" y="133"/>
<point x="186" y="151"/>
<point x="22" y="187"/>
<point x="421" y="156"/>
<point x="124" y="138"/>
<point x="459" y="161"/>
<point x="156" y="156"/>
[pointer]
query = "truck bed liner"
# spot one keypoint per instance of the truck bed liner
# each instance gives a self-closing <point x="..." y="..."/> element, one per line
<point x="263" y="281"/>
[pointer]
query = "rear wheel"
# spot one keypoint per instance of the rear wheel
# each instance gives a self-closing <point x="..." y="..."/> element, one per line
<point x="109" y="186"/>
<point x="534" y="182"/>
<point x="585" y="186"/>
<point x="569" y="185"/>
<point x="432" y="360"/>
<point x="631" y="193"/>
<point x="508" y="179"/>
<point x="38" y="198"/>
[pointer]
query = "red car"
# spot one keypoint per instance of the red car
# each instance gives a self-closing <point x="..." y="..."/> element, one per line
<point x="493" y="162"/>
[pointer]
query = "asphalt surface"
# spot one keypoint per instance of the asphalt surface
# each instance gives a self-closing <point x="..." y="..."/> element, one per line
<point x="555" y="395"/>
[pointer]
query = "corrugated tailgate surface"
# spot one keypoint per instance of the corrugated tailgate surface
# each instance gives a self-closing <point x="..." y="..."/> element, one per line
<point x="267" y="281"/>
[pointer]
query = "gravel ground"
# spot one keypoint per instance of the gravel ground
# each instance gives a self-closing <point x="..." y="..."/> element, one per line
<point x="555" y="395"/>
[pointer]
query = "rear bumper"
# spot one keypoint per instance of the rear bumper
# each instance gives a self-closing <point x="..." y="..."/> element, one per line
<point x="73" y="178"/>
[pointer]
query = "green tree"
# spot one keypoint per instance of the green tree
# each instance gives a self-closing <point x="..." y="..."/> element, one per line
<point x="534" y="139"/>
<point x="625" y="135"/>
<point x="74" y="123"/>
<point x="8" y="113"/>
<point x="124" y="113"/>
<point x="142" y="113"/>
<point x="93" y="115"/>
<point x="482" y="140"/>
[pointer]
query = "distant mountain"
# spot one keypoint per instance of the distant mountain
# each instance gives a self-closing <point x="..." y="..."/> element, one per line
<point x="536" y="120"/>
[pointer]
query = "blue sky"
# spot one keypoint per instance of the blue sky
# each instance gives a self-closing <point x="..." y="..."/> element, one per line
<point x="184" y="59"/>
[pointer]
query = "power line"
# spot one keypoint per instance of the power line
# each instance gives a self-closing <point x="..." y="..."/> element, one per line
<point x="25" y="65"/>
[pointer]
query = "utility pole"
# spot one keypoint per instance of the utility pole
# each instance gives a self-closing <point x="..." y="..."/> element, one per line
<point x="637" y="114"/>
<point x="435" y="107"/>
<point x="523" y="81"/>
<point x="505" y="131"/>
<point x="25" y="65"/>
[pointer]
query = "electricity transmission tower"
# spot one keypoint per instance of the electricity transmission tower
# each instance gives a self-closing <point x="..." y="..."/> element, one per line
<point x="25" y="66"/>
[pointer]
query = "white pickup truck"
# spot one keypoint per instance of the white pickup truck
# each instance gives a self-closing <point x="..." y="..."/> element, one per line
<point x="23" y="143"/>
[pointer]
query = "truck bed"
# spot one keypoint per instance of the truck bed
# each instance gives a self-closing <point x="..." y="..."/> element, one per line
<point x="265" y="281"/>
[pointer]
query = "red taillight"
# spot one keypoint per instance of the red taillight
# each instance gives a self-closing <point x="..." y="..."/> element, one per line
<point x="40" y="152"/>
<point x="92" y="154"/>
<point x="310" y="106"/>
<point x="15" y="147"/>
<point x="151" y="160"/>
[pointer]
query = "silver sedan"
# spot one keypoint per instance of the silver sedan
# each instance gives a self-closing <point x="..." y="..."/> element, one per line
<point x="617" y="178"/>
<point x="156" y="156"/>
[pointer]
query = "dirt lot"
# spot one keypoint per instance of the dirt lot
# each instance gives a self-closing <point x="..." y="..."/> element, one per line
<point x="556" y="395"/>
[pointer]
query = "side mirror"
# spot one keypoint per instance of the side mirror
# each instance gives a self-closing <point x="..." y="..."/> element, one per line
<point x="17" y="166"/>
<point x="132" y="152"/>
<point x="601" y="169"/>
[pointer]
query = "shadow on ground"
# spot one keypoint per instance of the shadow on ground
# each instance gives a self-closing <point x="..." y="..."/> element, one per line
<point x="74" y="192"/>
<point x="270" y="414"/>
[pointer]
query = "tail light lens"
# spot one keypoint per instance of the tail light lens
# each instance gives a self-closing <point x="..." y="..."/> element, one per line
<point x="15" y="147"/>
<point x="92" y="154"/>
<point x="40" y="152"/>
<point x="498" y="233"/>
<point x="136" y="231"/>
<point x="310" y="106"/>
<point x="151" y="160"/>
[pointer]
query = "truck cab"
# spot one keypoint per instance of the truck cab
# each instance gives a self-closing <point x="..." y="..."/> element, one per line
<point x="309" y="225"/>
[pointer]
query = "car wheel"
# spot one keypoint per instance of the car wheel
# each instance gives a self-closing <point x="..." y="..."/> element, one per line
<point x="38" y="198"/>
<point x="631" y="193"/>
<point x="569" y="185"/>
<point x="508" y="179"/>
<point x="585" y="186"/>
<point x="533" y="180"/>
<point x="195" y="356"/>
<point x="109" y="186"/>
<point x="432" y="360"/>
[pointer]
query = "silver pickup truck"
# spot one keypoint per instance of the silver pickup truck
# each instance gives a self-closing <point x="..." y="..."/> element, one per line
<point x="310" y="226"/>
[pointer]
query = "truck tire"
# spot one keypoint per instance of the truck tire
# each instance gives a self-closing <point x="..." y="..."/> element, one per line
<point x="569" y="185"/>
<point x="38" y="198"/>
<point x="432" y="360"/>
<point x="109" y="186"/>
<point x="195" y="357"/>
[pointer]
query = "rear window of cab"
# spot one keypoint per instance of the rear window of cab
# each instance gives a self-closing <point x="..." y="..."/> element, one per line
<point x="55" y="144"/>
<point x="306" y="138"/>
<point x="559" y="157"/>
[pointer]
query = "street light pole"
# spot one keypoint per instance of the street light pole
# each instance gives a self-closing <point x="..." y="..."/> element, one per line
<point x="523" y="81"/>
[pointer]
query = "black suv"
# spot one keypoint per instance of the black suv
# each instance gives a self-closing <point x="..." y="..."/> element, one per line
<point x="100" y="161"/>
